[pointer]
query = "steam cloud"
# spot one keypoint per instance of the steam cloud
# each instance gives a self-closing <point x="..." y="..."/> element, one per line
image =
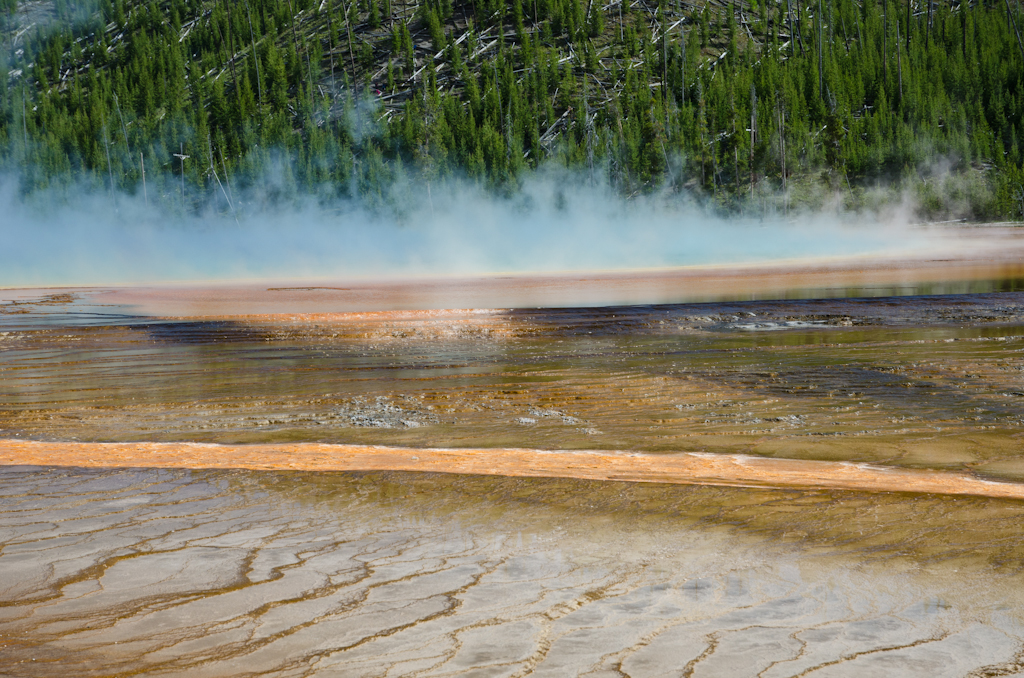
<point x="558" y="221"/>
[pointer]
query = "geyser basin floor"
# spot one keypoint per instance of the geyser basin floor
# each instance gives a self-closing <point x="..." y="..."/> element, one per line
<point x="918" y="382"/>
<point x="208" y="572"/>
<point x="220" y="573"/>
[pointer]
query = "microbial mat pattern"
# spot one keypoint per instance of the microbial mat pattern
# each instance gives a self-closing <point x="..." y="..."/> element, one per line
<point x="154" y="545"/>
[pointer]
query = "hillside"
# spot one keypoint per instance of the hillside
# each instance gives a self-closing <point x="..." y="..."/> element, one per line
<point x="744" y="105"/>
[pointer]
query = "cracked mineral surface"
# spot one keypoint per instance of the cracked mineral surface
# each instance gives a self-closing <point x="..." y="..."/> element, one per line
<point x="215" y="573"/>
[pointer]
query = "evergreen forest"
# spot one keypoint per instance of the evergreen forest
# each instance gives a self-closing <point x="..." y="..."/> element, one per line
<point x="741" y="104"/>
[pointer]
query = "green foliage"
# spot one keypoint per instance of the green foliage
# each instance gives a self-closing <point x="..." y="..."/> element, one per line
<point x="723" y="101"/>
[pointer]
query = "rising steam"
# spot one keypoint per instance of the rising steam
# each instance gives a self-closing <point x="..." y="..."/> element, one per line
<point x="557" y="222"/>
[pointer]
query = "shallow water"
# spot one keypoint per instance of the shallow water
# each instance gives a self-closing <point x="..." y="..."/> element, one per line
<point x="202" y="572"/>
<point x="934" y="382"/>
<point x="205" y="573"/>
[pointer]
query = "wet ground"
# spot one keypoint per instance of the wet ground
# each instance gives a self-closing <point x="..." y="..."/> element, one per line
<point x="204" y="573"/>
<point x="217" y="572"/>
<point x="930" y="382"/>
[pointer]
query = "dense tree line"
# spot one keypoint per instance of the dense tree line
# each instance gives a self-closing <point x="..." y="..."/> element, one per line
<point x="738" y="102"/>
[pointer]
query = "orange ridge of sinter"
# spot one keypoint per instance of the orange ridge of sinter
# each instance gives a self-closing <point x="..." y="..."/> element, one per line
<point x="684" y="468"/>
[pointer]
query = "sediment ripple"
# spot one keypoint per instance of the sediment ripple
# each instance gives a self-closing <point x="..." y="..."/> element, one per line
<point x="214" y="573"/>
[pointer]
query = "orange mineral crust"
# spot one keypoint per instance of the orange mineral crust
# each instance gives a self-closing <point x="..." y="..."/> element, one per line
<point x="686" y="469"/>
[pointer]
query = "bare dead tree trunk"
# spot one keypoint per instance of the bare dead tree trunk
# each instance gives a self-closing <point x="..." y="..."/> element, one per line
<point x="928" y="33"/>
<point x="620" y="19"/>
<point x="255" y="57"/>
<point x="899" y="62"/>
<point x="800" y="31"/>
<point x="145" y="195"/>
<point x="351" y="52"/>
<point x="963" y="22"/>
<point x="1015" y="31"/>
<point x="330" y="46"/>
<point x="885" y="39"/>
<point x="792" y="41"/>
<point x="291" y="15"/>
<point x="821" y="71"/>
<point x="110" y="170"/>
<point x="664" y="65"/>
<point x="682" y="56"/>
<point x="753" y="126"/>
<point x="231" y="46"/>
<point x="782" y="142"/>
<point x="908" y="28"/>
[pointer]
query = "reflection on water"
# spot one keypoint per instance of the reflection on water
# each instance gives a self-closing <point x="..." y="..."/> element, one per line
<point x="923" y="381"/>
<point x="236" y="573"/>
<point x="1008" y="284"/>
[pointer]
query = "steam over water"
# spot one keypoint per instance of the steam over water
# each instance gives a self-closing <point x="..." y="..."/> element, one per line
<point x="557" y="222"/>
